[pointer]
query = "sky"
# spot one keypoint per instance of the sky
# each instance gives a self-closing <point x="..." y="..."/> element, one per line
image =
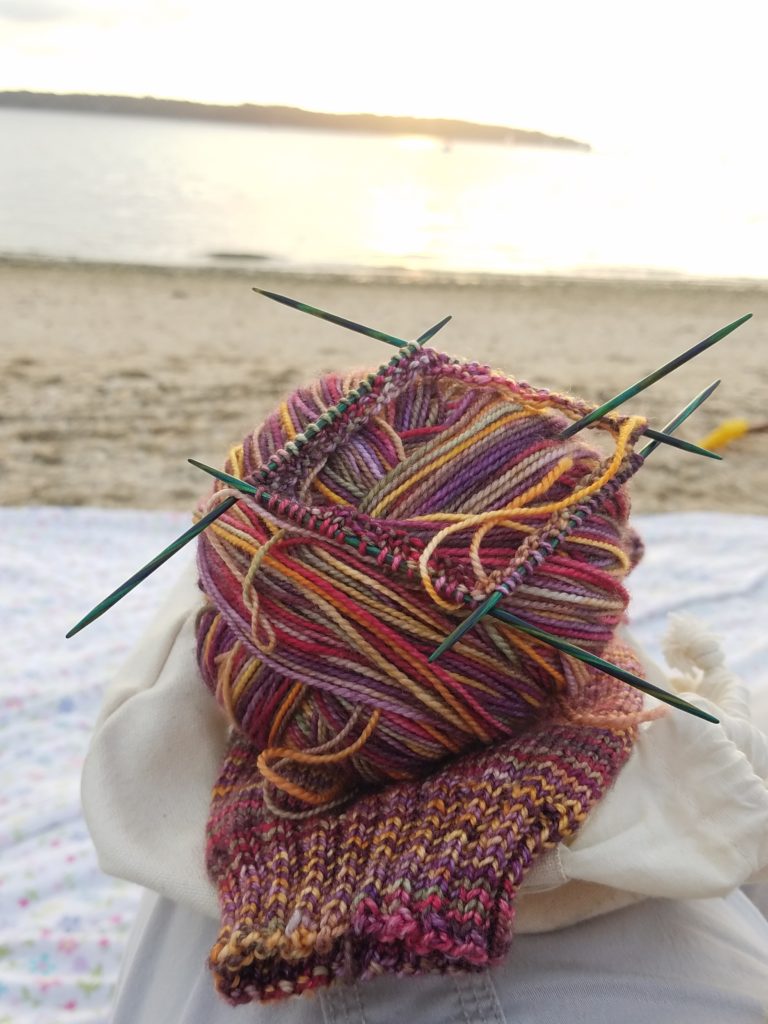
<point x="615" y="73"/>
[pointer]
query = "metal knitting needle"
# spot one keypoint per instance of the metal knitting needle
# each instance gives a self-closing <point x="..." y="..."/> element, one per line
<point x="656" y="375"/>
<point x="149" y="568"/>
<point x="486" y="608"/>
<point x="351" y="325"/>
<point x="603" y="665"/>
<point x="577" y="652"/>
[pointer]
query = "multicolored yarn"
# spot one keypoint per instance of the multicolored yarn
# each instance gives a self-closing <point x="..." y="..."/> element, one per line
<point x="391" y="502"/>
<point x="416" y="878"/>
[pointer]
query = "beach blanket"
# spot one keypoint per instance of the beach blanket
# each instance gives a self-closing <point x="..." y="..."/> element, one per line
<point x="63" y="924"/>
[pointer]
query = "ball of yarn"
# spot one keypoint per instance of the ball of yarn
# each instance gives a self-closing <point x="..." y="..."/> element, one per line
<point x="392" y="503"/>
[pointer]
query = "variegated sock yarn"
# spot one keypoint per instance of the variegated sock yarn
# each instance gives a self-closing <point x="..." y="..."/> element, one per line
<point x="377" y="812"/>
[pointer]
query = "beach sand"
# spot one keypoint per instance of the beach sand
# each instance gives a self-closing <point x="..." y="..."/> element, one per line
<point x="112" y="376"/>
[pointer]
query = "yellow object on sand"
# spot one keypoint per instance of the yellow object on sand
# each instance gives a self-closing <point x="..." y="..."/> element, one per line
<point x="729" y="430"/>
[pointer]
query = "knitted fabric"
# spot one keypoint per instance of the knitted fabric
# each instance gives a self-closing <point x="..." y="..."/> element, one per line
<point x="375" y="812"/>
<point x="417" y="878"/>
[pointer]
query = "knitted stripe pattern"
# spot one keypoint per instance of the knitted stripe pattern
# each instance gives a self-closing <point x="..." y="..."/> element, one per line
<point x="377" y="812"/>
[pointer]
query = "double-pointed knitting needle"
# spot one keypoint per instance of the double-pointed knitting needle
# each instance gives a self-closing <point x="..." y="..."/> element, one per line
<point x="425" y="337"/>
<point x="265" y="496"/>
<point x="371" y="332"/>
<point x="656" y="375"/>
<point x="486" y="608"/>
<point x="149" y="568"/>
<point x="605" y="666"/>
<point x="234" y="481"/>
<point x="389" y="339"/>
<point x="662" y="437"/>
<point x="341" y="321"/>
<point x="681" y="417"/>
<point x="576" y="652"/>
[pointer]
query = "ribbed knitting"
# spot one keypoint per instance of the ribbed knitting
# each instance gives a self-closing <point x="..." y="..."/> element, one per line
<point x="416" y="878"/>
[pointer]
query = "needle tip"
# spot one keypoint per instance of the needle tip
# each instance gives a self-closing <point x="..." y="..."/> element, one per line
<point x="696" y="711"/>
<point x="446" y="645"/>
<point x="274" y="295"/>
<point x="85" y="621"/>
<point x="269" y="295"/>
<point x="425" y="337"/>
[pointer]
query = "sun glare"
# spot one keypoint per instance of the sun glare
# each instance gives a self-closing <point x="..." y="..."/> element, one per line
<point x="416" y="143"/>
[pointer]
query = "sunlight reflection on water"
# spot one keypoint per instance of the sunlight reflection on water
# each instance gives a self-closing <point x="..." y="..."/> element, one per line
<point x="154" y="191"/>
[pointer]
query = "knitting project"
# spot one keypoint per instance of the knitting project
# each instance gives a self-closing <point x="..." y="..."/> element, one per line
<point x="377" y="812"/>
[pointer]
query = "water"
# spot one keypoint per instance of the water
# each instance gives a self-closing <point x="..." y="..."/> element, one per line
<point x="152" y="191"/>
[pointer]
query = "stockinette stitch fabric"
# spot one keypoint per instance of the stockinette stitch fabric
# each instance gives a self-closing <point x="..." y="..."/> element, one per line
<point x="375" y="812"/>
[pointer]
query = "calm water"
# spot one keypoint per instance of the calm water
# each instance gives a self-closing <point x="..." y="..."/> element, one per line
<point x="152" y="191"/>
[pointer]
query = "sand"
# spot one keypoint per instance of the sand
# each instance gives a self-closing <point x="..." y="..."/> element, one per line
<point x="112" y="376"/>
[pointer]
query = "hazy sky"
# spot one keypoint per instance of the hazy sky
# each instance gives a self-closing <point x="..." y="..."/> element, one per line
<point x="611" y="72"/>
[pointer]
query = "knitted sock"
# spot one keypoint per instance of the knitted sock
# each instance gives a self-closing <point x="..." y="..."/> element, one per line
<point x="417" y="877"/>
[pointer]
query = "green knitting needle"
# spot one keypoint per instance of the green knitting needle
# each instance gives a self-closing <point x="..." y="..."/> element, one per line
<point x="577" y="652"/>
<point x="149" y="568"/>
<point x="425" y="337"/>
<point x="341" y="321"/>
<point x="234" y="481"/>
<point x="371" y="332"/>
<point x="682" y="416"/>
<point x="656" y="375"/>
<point x="265" y="496"/>
<point x="662" y="437"/>
<point x="486" y="608"/>
<point x="604" y="666"/>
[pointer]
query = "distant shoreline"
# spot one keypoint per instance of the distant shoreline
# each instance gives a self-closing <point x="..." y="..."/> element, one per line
<point x="248" y="268"/>
<point x="285" y="117"/>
